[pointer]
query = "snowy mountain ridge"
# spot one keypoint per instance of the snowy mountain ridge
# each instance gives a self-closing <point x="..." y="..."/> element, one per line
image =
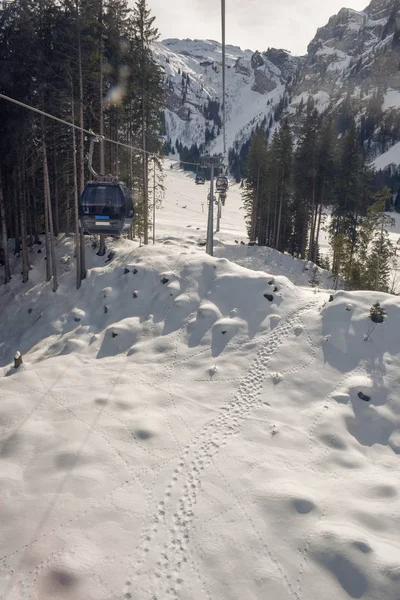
<point x="255" y="84"/>
<point x="351" y="59"/>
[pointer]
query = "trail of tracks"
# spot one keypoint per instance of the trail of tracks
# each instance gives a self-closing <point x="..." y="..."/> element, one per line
<point x="196" y="456"/>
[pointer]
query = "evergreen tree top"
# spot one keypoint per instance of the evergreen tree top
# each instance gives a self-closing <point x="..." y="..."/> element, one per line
<point x="377" y="314"/>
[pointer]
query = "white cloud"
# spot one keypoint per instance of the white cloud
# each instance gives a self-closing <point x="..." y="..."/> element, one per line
<point x="255" y="24"/>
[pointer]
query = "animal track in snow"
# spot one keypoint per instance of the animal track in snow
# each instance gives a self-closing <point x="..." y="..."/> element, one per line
<point x="200" y="452"/>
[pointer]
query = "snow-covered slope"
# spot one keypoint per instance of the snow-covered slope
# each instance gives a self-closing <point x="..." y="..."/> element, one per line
<point x="183" y="427"/>
<point x="255" y="84"/>
<point x="388" y="158"/>
<point x="352" y="61"/>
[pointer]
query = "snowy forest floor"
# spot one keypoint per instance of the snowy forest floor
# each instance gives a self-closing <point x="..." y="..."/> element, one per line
<point x="186" y="428"/>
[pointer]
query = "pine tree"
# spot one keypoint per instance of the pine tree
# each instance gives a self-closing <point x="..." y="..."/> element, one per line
<point x="324" y="184"/>
<point x="351" y="196"/>
<point x="377" y="316"/>
<point x="253" y="193"/>
<point x="4" y="238"/>
<point x="147" y="110"/>
<point x="366" y="264"/>
<point x="378" y="262"/>
<point x="281" y="164"/>
<point x="52" y="55"/>
<point x="305" y="182"/>
<point x="378" y="267"/>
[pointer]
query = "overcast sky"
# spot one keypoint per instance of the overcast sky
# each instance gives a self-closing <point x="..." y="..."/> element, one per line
<point x="254" y="24"/>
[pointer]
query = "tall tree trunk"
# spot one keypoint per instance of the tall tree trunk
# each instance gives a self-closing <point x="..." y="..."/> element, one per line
<point x="268" y="226"/>
<point x="30" y="228"/>
<point x="22" y="220"/>
<point x="17" y="240"/>
<point x="35" y="213"/>
<point x="56" y="196"/>
<point x="131" y="234"/>
<point x="51" y="226"/>
<point x="81" y="123"/>
<point x="46" y="192"/>
<point x="83" y="254"/>
<point x="313" y="217"/>
<point x="278" y="230"/>
<point x="145" y="178"/>
<point x="144" y="147"/>
<point x="254" y="212"/>
<point x="30" y="233"/>
<point x="378" y="266"/>
<point x="116" y="147"/>
<point x="4" y="237"/>
<point x="29" y="211"/>
<point x="76" y="205"/>
<point x="318" y="232"/>
<point x="67" y="216"/>
<point x="262" y="228"/>
<point x="275" y="215"/>
<point x="304" y="236"/>
<point x="46" y="227"/>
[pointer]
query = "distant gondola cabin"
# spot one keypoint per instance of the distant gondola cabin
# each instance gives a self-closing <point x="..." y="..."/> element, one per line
<point x="222" y="183"/>
<point x="200" y="179"/>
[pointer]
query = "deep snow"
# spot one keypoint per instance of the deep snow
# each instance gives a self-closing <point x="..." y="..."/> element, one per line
<point x="187" y="428"/>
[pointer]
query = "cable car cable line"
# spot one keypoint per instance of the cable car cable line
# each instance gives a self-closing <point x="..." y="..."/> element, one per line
<point x="91" y="133"/>
<point x="106" y="205"/>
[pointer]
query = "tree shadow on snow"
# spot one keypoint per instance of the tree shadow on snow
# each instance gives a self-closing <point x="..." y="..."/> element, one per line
<point x="345" y="346"/>
<point x="198" y="328"/>
<point x="222" y="334"/>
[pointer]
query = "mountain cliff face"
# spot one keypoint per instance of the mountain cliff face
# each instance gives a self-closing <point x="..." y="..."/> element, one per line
<point x="256" y="83"/>
<point x="352" y="63"/>
<point x="354" y="48"/>
<point x="355" y="52"/>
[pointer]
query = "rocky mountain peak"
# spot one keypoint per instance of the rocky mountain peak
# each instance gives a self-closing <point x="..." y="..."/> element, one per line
<point x="257" y="60"/>
<point x="354" y="57"/>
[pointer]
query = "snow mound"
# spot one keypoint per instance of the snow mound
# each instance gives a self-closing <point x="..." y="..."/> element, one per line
<point x="139" y="300"/>
<point x="260" y="258"/>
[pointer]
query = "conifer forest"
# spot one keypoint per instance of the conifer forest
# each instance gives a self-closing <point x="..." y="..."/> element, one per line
<point x="87" y="62"/>
<point x="90" y="63"/>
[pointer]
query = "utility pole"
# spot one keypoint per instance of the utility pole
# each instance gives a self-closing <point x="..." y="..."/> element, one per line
<point x="223" y="80"/>
<point x="219" y="214"/>
<point x="210" y="225"/>
<point x="101" y="120"/>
